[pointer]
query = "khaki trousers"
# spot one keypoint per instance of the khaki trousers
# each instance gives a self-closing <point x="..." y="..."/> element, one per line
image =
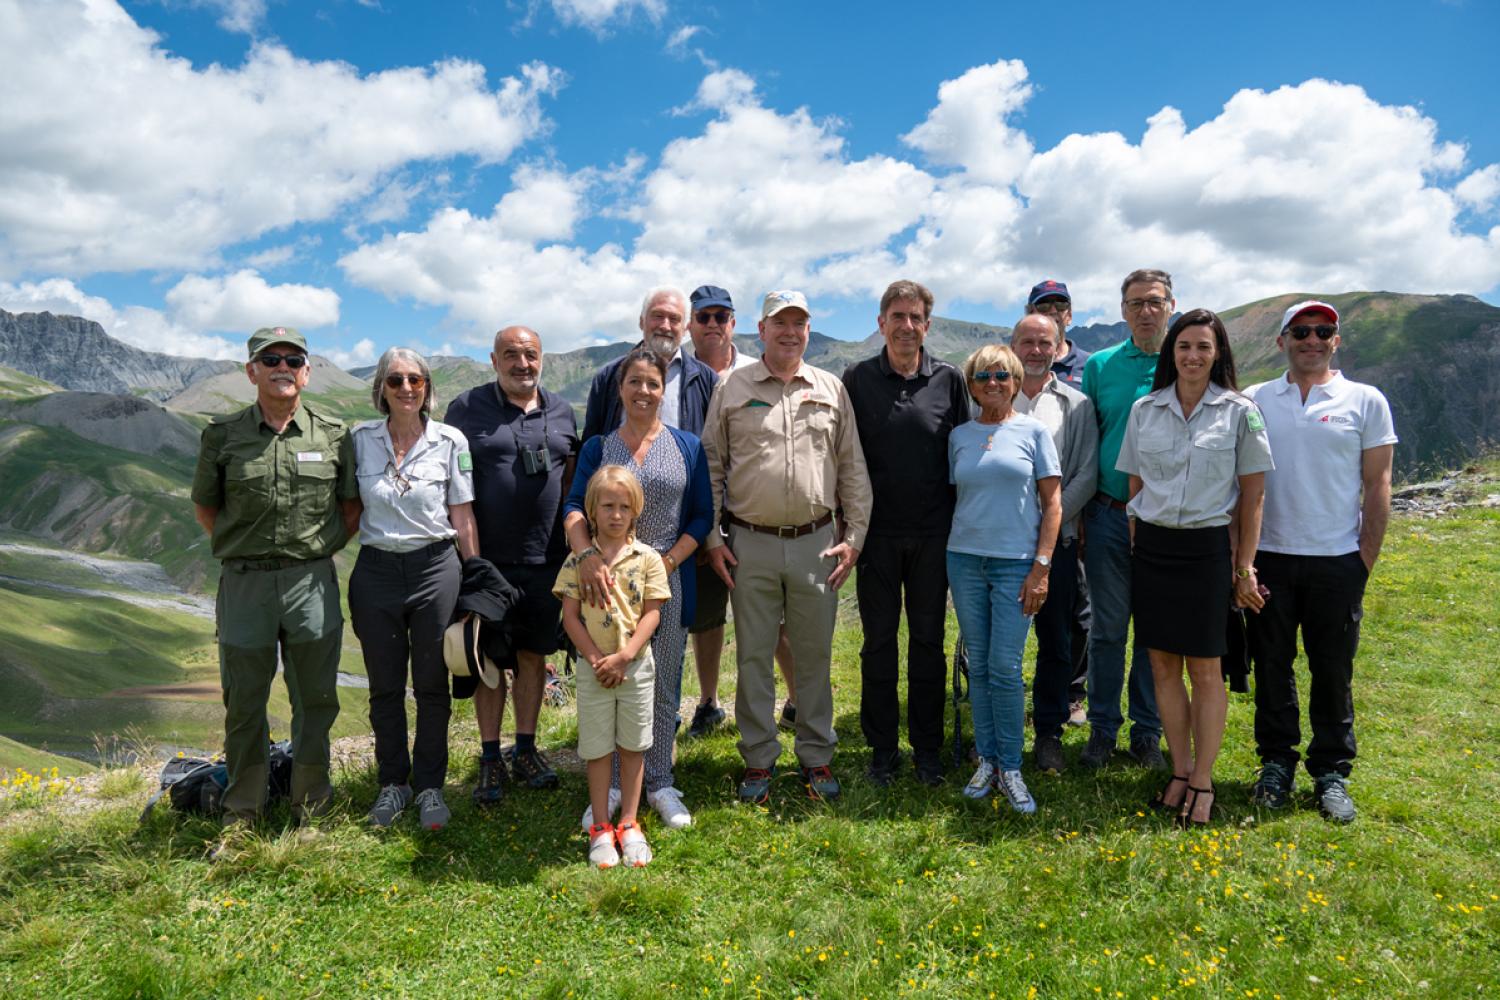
<point x="783" y="579"/>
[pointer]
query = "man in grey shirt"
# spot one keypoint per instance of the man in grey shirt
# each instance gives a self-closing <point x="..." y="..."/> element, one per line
<point x="1069" y="416"/>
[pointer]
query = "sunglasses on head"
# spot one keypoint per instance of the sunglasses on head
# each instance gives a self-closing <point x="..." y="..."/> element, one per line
<point x="1323" y="330"/>
<point x="999" y="376"/>
<point x="719" y="316"/>
<point x="415" y="381"/>
<point x="293" y="361"/>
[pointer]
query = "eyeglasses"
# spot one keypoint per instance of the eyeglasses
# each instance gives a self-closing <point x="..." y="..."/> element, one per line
<point x="999" y="376"/>
<point x="719" y="316"/>
<point x="401" y="484"/>
<point x="415" y="381"/>
<point x="1154" y="303"/>
<point x="1053" y="306"/>
<point x="1323" y="330"/>
<point x="293" y="361"/>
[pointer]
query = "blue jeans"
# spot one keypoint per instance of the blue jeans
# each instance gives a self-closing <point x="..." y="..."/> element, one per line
<point x="1106" y="559"/>
<point x="987" y="600"/>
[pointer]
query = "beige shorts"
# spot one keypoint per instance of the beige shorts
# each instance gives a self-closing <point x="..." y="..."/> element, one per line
<point x="619" y="716"/>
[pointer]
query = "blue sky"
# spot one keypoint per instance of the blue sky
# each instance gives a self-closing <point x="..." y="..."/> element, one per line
<point x="424" y="173"/>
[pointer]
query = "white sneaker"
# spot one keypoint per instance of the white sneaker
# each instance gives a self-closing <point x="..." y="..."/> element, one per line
<point x="614" y="807"/>
<point x="983" y="781"/>
<point x="668" y="805"/>
<point x="1016" y="792"/>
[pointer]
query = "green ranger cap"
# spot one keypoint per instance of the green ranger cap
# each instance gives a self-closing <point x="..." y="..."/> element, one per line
<point x="268" y="335"/>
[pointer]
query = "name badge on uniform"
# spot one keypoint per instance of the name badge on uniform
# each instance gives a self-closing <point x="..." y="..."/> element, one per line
<point x="812" y="396"/>
<point x="309" y="456"/>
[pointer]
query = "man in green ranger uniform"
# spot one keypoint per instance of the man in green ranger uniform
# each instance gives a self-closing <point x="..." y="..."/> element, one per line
<point x="276" y="492"/>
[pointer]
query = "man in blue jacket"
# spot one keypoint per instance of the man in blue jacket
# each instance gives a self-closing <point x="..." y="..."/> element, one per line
<point x="690" y="382"/>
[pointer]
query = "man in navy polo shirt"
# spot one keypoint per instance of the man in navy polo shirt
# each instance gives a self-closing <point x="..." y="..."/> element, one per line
<point x="524" y="441"/>
<point x="1326" y="507"/>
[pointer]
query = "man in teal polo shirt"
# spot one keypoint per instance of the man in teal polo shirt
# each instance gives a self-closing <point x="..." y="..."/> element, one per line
<point x="276" y="492"/>
<point x="1114" y="379"/>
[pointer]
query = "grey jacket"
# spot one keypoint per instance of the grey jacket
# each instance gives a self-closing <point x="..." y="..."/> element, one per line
<point x="1078" y="451"/>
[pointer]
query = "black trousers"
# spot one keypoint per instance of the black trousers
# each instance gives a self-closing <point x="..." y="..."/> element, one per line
<point x="400" y="603"/>
<point x="1054" y="624"/>
<point x="887" y="567"/>
<point x="1078" y="690"/>
<point x="1324" y="596"/>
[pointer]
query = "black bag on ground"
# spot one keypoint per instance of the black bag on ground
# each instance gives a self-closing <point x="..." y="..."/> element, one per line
<point x="196" y="785"/>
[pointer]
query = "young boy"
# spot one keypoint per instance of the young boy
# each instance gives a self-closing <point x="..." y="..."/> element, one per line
<point x="615" y="697"/>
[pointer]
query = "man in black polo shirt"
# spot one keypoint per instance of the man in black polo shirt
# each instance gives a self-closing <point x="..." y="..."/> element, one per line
<point x="524" y="440"/>
<point x="905" y="404"/>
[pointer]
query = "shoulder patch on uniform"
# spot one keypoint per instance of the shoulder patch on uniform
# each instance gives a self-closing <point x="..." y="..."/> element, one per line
<point x="1255" y="421"/>
<point x="465" y="462"/>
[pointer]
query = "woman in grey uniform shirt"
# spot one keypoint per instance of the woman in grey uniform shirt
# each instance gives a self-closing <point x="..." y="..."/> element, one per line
<point x="416" y="487"/>
<point x="1197" y="454"/>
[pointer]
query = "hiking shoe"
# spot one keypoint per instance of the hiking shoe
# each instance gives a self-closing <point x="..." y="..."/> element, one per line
<point x="982" y="782"/>
<point x="1147" y="753"/>
<point x="388" y="805"/>
<point x="1048" y="752"/>
<point x="602" y="850"/>
<point x="821" y="784"/>
<point x="883" y="766"/>
<point x="1078" y="713"/>
<point x="1333" y="798"/>
<point x="490" y="788"/>
<point x="434" y="814"/>
<point x="788" y="720"/>
<point x="706" y="718"/>
<point x="929" y="768"/>
<point x="755" y="786"/>
<point x="1273" y="789"/>
<point x="532" y="767"/>
<point x="1098" y="752"/>
<point x="669" y="806"/>
<point x="1016" y="792"/>
<point x="634" y="850"/>
<point x="614" y="807"/>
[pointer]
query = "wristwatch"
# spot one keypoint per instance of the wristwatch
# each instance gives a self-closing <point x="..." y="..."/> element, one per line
<point x="1244" y="572"/>
<point x="1044" y="561"/>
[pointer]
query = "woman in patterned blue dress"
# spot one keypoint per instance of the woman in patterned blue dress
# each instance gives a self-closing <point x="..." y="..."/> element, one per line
<point x="679" y="511"/>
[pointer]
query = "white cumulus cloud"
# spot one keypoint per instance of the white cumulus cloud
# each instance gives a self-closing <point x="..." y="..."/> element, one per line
<point x="244" y="301"/>
<point x="596" y="14"/>
<point x="968" y="128"/>
<point x="139" y="326"/>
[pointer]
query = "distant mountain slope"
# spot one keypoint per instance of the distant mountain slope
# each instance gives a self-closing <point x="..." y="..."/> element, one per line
<point x="19" y="385"/>
<point x="76" y="353"/>
<point x="126" y="422"/>
<point x="229" y="391"/>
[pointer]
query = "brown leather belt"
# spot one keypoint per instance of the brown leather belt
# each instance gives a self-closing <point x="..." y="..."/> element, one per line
<point x="781" y="531"/>
<point x="1106" y="498"/>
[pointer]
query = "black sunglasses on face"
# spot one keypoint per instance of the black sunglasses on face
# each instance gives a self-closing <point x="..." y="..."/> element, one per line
<point x="998" y="376"/>
<point x="720" y="316"/>
<point x="293" y="361"/>
<point x="1323" y="330"/>
<point x="415" y="381"/>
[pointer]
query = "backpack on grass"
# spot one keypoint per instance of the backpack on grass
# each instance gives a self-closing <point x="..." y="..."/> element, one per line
<point x="196" y="785"/>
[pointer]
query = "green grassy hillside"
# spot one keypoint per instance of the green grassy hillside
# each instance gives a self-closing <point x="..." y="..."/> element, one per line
<point x="18" y="385"/>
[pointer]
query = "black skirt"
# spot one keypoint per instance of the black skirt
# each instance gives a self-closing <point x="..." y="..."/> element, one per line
<point x="1180" y="587"/>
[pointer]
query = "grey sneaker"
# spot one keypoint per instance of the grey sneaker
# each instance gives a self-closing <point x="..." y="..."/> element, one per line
<point x="434" y="813"/>
<point x="1098" y="752"/>
<point x="1016" y="792"/>
<point x="982" y="782"/>
<point x="388" y="805"/>
<point x="1147" y="753"/>
<point x="1333" y="798"/>
<point x="1273" y="789"/>
<point x="1049" y="754"/>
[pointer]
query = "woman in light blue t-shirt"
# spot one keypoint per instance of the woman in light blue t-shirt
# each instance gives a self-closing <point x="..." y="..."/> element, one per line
<point x="1006" y="472"/>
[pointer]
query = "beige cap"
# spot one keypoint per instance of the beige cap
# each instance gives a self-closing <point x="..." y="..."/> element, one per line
<point x="776" y="301"/>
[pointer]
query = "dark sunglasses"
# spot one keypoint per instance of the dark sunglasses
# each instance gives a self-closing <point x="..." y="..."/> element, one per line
<point x="415" y="381"/>
<point x="719" y="316"/>
<point x="998" y="376"/>
<point x="293" y="361"/>
<point x="1323" y="330"/>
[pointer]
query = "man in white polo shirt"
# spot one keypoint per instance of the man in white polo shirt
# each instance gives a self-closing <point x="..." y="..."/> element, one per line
<point x="1326" y="508"/>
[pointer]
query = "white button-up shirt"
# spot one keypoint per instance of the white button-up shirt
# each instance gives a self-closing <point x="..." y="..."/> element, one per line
<point x="406" y="507"/>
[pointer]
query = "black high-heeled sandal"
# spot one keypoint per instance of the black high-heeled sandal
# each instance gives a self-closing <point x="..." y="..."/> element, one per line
<point x="1160" y="802"/>
<point x="1190" y="801"/>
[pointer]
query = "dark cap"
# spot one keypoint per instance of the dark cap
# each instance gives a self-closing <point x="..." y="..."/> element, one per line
<point x="268" y="335"/>
<point x="710" y="295"/>
<point x="1048" y="289"/>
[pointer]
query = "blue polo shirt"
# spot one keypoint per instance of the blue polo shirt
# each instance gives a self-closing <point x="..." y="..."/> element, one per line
<point x="1114" y="379"/>
<point x="519" y="514"/>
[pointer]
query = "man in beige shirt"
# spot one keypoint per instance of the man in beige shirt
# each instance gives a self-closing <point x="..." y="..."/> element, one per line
<point x="783" y="456"/>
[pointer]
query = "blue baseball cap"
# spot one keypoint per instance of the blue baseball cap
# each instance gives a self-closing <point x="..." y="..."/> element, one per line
<point x="1048" y="289"/>
<point x="710" y="295"/>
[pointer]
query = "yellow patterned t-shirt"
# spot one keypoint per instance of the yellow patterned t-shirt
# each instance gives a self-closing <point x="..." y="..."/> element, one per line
<point x="639" y="576"/>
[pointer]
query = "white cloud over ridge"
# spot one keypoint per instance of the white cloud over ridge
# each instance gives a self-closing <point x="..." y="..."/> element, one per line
<point x="140" y="326"/>
<point x="244" y="301"/>
<point x="117" y="155"/>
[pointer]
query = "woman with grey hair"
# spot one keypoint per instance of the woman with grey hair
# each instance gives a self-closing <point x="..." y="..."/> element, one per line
<point x="417" y="491"/>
